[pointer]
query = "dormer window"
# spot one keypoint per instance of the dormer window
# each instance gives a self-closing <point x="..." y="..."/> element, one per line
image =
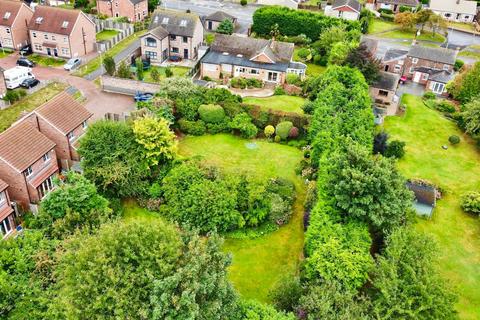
<point x="165" y="20"/>
<point x="28" y="172"/>
<point x="7" y="15"/>
<point x="39" y="20"/>
<point x="183" y="23"/>
<point x="65" y="24"/>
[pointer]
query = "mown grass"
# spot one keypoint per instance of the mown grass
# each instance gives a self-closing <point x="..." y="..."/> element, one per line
<point x="282" y="103"/>
<point x="377" y="25"/>
<point x="106" y="34"/>
<point x="456" y="170"/>
<point x="46" y="61"/>
<point x="29" y="103"/>
<point x="177" y="72"/>
<point x="313" y="69"/>
<point x="257" y="263"/>
<point x="424" y="36"/>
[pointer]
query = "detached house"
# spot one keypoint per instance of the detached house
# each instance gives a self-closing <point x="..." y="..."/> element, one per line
<point x="345" y="9"/>
<point x="212" y="21"/>
<point x="395" y="5"/>
<point x="63" y="120"/>
<point x="7" y="214"/>
<point x="235" y="56"/>
<point x="14" y="18"/>
<point x="28" y="163"/>
<point x="455" y="10"/>
<point x="61" y="32"/>
<point x="172" y="34"/>
<point x="134" y="10"/>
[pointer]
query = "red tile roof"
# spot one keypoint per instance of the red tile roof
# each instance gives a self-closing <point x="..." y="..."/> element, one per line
<point x="22" y="145"/>
<point x="63" y="112"/>
<point x="53" y="20"/>
<point x="9" y="6"/>
<point x="3" y="185"/>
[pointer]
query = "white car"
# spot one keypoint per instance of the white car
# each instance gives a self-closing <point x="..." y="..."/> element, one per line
<point x="72" y="64"/>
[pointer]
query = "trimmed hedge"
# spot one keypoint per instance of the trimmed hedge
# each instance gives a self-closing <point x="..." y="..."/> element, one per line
<point x="211" y="113"/>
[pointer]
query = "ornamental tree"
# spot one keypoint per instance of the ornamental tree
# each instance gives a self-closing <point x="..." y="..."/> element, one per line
<point x="225" y="27"/>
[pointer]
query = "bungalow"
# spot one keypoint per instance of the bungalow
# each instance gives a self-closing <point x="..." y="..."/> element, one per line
<point x="7" y="213"/>
<point x="172" y="33"/>
<point x="455" y="10"/>
<point x="28" y="163"/>
<point x="134" y="10"/>
<point x="235" y="56"/>
<point x="212" y="21"/>
<point x="61" y="33"/>
<point x="395" y="5"/>
<point x="383" y="92"/>
<point x="345" y="9"/>
<point x="14" y="18"/>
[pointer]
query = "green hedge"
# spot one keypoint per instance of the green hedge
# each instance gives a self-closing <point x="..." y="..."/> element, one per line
<point x="295" y="22"/>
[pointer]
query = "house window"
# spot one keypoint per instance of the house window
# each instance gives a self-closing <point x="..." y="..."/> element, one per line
<point x="65" y="51"/>
<point x="397" y="68"/>
<point x="84" y="125"/>
<point x="446" y="67"/>
<point x="151" y="54"/>
<point x="70" y="136"/>
<point x="448" y="15"/>
<point x="412" y="70"/>
<point x="173" y="37"/>
<point x="45" y="187"/>
<point x="38" y="47"/>
<point x="438" y="87"/>
<point x="46" y="157"/>
<point x="8" y="30"/>
<point x="65" y="39"/>
<point x="2" y="197"/>
<point x="414" y="60"/>
<point x="466" y="17"/>
<point x="5" y="226"/>
<point x="53" y="37"/>
<point x="183" y="23"/>
<point x="185" y="39"/>
<point x="150" y="42"/>
<point x="254" y="71"/>
<point x="34" y="34"/>
<point x="383" y="93"/>
<point x="425" y="76"/>
<point x="28" y="172"/>
<point x="45" y="36"/>
<point x="241" y="70"/>
<point x="174" y="49"/>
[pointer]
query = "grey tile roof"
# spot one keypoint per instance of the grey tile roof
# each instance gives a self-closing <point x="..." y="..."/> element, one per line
<point x="433" y="54"/>
<point x="354" y="4"/>
<point x="172" y="21"/>
<point x="215" y="57"/>
<point x="159" y="32"/>
<point x="370" y="44"/>
<point x="394" y="54"/>
<point x="220" y="16"/>
<point x="436" y="74"/>
<point x="297" y="65"/>
<point x="387" y="81"/>
<point x="137" y="1"/>
<point x="250" y="47"/>
<point x="412" y="3"/>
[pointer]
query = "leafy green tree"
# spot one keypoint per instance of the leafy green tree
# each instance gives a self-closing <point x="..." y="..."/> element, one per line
<point x="111" y="274"/>
<point x="152" y="5"/>
<point x="123" y="71"/>
<point x="113" y="160"/>
<point x="243" y="123"/>
<point x="199" y="288"/>
<point x="339" y="52"/>
<point x="109" y="65"/>
<point x="180" y="88"/>
<point x="286" y="293"/>
<point x="139" y="68"/>
<point x="155" y="74"/>
<point x="471" y="116"/>
<point x="225" y="27"/>
<point x="422" y="17"/>
<point x="74" y="204"/>
<point x="157" y="140"/>
<point x="253" y="310"/>
<point x="406" y="282"/>
<point x="368" y="188"/>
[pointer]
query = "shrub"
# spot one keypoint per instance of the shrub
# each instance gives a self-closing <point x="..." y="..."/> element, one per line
<point x="211" y="113"/>
<point x="214" y="128"/>
<point x="279" y="91"/>
<point x="243" y="2"/>
<point x="196" y="128"/>
<point x="471" y="202"/>
<point x="239" y="83"/>
<point x="243" y="123"/>
<point x="286" y="293"/>
<point x="387" y="11"/>
<point x="254" y="83"/>
<point x="155" y="74"/>
<point x="454" y="139"/>
<point x="395" y="149"/>
<point x="269" y="131"/>
<point x="207" y="78"/>
<point x="282" y="195"/>
<point x="293" y="133"/>
<point x="109" y="65"/>
<point x="303" y="54"/>
<point x="277" y="138"/>
<point x="124" y="71"/>
<point x="308" y="107"/>
<point x="168" y="72"/>
<point x="458" y="65"/>
<point x="283" y="129"/>
<point x="405" y="9"/>
<point x="429" y="95"/>
<point x="445" y="106"/>
<point x="14" y="95"/>
<point x="293" y="79"/>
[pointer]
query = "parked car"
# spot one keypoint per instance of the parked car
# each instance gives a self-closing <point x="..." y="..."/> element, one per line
<point x="29" y="83"/>
<point x="24" y="62"/>
<point x="72" y="64"/>
<point x="143" y="96"/>
<point x="26" y="50"/>
<point x="403" y="80"/>
<point x="175" y="58"/>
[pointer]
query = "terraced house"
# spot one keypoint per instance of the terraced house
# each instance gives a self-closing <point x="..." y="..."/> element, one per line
<point x="172" y="34"/>
<point x="265" y="60"/>
<point x="134" y="10"/>
<point x="14" y="19"/>
<point x="61" y="32"/>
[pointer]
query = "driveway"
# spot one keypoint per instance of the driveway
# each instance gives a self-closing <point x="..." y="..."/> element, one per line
<point x="412" y="88"/>
<point x="97" y="101"/>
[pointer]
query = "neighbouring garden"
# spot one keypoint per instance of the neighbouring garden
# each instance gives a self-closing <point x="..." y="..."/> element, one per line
<point x="106" y="34"/>
<point x="280" y="102"/>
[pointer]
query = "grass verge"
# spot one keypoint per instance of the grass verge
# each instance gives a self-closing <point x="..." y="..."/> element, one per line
<point x="377" y="25"/>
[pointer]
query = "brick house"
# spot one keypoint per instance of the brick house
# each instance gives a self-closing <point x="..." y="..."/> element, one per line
<point x="455" y="10"/>
<point x="63" y="120"/>
<point x="7" y="214"/>
<point x="28" y="163"/>
<point x="345" y="9"/>
<point x="212" y="21"/>
<point x="134" y="10"/>
<point x="14" y="18"/>
<point x="172" y="33"/>
<point x="394" y="60"/>
<point x="61" y="32"/>
<point x="265" y="60"/>
<point x="395" y="5"/>
<point x="383" y="92"/>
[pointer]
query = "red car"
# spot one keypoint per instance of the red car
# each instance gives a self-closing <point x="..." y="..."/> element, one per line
<point x="403" y="79"/>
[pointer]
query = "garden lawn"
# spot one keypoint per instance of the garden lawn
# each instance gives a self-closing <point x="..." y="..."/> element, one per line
<point x="30" y="102"/>
<point x="456" y="171"/>
<point x="283" y="103"/>
<point x="461" y="26"/>
<point x="46" y="61"/>
<point x="377" y="25"/>
<point x="177" y="72"/>
<point x="424" y="36"/>
<point x="257" y="263"/>
<point x="106" y="34"/>
<point x="313" y="70"/>
<point x="5" y="53"/>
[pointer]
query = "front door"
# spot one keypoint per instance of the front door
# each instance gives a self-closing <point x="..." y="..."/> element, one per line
<point x="272" y="76"/>
<point x="210" y="25"/>
<point x="417" y="77"/>
<point x="185" y="53"/>
<point x="164" y="55"/>
<point x="386" y="68"/>
<point x="55" y="52"/>
<point x="49" y="51"/>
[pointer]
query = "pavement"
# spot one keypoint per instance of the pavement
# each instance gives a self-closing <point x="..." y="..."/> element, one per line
<point x="97" y="101"/>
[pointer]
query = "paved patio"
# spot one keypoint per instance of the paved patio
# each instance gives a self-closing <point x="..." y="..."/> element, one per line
<point x="412" y="88"/>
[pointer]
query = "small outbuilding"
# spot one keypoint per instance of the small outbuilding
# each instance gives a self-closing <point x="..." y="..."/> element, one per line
<point x="384" y="93"/>
<point x="212" y="21"/>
